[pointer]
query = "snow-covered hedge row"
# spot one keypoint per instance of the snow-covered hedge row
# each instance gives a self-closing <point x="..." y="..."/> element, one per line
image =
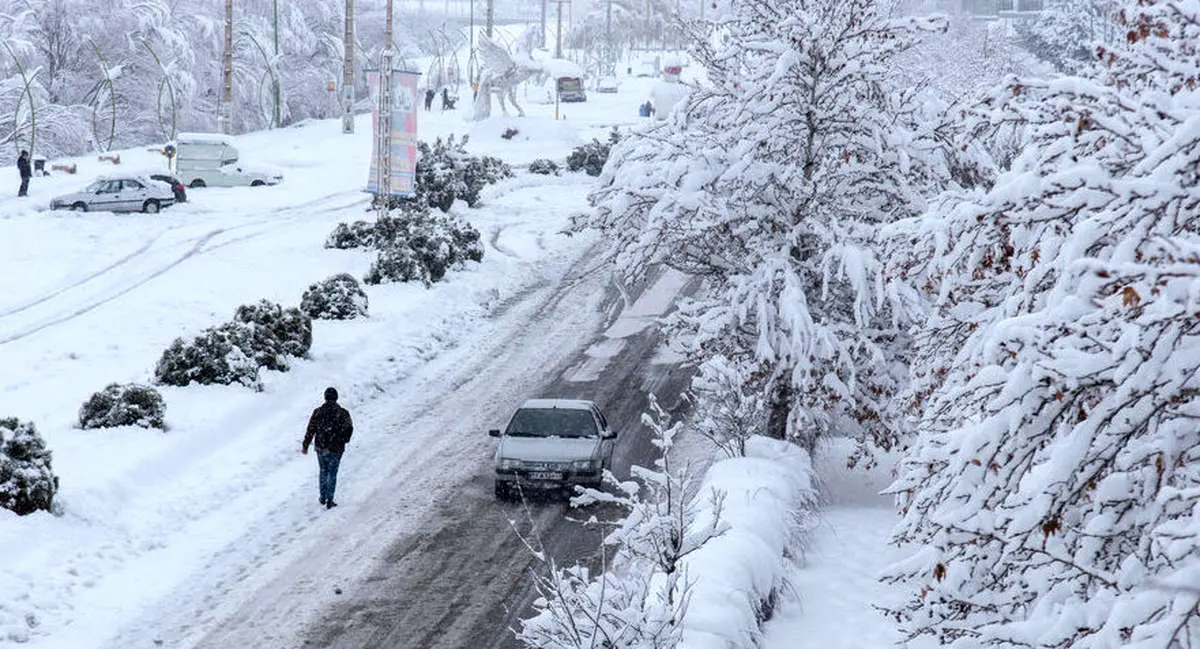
<point x="264" y="334"/>
<point x="414" y="244"/>
<point x="768" y="500"/>
<point x="446" y="173"/>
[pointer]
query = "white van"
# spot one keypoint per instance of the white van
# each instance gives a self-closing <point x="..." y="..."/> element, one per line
<point x="210" y="160"/>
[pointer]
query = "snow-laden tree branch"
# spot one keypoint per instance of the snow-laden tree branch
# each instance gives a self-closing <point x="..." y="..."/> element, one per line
<point x="1055" y="487"/>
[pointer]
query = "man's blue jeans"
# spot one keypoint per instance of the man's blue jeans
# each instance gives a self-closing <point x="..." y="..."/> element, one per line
<point x="327" y="481"/>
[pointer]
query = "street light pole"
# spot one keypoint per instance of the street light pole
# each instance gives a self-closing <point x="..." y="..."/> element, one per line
<point x="348" y="70"/>
<point x="224" y="115"/>
<point x="384" y="163"/>
<point x="274" y="76"/>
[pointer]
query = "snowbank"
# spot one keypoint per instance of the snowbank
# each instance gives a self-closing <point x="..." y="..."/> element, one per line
<point x="765" y="500"/>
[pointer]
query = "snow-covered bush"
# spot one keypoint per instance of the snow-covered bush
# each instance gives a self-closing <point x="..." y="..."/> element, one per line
<point x="1053" y="497"/>
<point x="275" y="333"/>
<point x="544" y="167"/>
<point x="359" y="234"/>
<point x="339" y="297"/>
<point x="214" y="356"/>
<point x="592" y="156"/>
<point x="446" y="172"/>
<point x="396" y="263"/>
<point x="423" y="246"/>
<point x="123" y="405"/>
<point x="27" y="482"/>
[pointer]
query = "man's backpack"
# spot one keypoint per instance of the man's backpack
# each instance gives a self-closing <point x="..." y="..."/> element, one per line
<point x="329" y="427"/>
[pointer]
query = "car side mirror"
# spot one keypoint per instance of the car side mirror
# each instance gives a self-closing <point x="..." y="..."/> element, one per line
<point x="608" y="434"/>
<point x="495" y="432"/>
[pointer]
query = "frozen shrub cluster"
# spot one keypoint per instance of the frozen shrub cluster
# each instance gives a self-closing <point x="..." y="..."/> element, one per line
<point x="339" y="297"/>
<point x="544" y="167"/>
<point x="215" y="355"/>
<point x="422" y="245"/>
<point x="123" y="405"/>
<point x="27" y="483"/>
<point x="592" y="156"/>
<point x="446" y="173"/>
<point x="275" y="333"/>
<point x="261" y="335"/>
<point x="359" y="234"/>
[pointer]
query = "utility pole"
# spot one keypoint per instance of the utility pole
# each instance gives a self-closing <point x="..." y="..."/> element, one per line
<point x="274" y="76"/>
<point x="348" y="71"/>
<point x="491" y="16"/>
<point x="384" y="165"/>
<point x="610" y="61"/>
<point x="471" y="49"/>
<point x="558" y="32"/>
<point x="225" y="112"/>
<point x="543" y="39"/>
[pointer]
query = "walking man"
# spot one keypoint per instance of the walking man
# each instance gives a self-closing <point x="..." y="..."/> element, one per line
<point x="329" y="430"/>
<point x="25" y="171"/>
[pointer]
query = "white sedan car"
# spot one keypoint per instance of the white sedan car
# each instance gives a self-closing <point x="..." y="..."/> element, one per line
<point x="118" y="194"/>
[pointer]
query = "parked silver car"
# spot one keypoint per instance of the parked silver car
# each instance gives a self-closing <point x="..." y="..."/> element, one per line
<point x="118" y="194"/>
<point x="553" y="444"/>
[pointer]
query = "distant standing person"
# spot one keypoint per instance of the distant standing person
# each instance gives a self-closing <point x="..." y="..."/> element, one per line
<point x="329" y="430"/>
<point x="25" y="171"/>
<point x="429" y="95"/>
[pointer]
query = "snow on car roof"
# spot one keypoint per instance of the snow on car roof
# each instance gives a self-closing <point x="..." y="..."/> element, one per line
<point x="207" y="138"/>
<point x="566" y="404"/>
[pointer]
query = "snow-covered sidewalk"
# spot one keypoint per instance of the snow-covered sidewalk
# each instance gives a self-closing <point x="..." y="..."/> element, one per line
<point x="835" y="585"/>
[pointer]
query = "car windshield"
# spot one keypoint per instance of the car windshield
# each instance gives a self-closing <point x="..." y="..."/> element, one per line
<point x="568" y="84"/>
<point x="552" y="422"/>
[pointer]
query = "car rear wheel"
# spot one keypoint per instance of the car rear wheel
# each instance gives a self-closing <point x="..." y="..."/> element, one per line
<point x="257" y="183"/>
<point x="79" y="207"/>
<point x="197" y="183"/>
<point x="150" y="207"/>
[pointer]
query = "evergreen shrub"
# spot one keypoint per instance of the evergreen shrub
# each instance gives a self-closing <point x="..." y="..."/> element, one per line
<point x="27" y="481"/>
<point x="339" y="297"/>
<point x="544" y="167"/>
<point x="592" y="156"/>
<point x="123" y="405"/>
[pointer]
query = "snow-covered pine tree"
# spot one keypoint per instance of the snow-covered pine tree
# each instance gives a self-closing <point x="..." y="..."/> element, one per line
<point x="1054" y="494"/>
<point x="771" y="182"/>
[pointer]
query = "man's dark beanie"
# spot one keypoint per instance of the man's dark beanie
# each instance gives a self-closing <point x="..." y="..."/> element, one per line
<point x="331" y="394"/>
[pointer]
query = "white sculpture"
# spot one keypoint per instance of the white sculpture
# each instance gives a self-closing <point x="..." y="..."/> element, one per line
<point x="500" y="74"/>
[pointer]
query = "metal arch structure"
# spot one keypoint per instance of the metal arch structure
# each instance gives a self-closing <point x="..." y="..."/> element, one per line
<point x="165" y="83"/>
<point x="105" y="84"/>
<point x="26" y="93"/>
<point x="269" y="83"/>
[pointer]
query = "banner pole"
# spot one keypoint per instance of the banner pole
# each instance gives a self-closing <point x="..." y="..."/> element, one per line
<point x="386" y="88"/>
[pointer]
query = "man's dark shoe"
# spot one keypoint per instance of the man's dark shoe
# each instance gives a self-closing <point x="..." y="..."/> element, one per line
<point x="329" y="504"/>
<point x="322" y="501"/>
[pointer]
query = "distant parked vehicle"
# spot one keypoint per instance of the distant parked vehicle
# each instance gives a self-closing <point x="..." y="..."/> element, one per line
<point x="210" y="160"/>
<point x="118" y="194"/>
<point x="177" y="187"/>
<point x="570" y="89"/>
<point x="607" y="85"/>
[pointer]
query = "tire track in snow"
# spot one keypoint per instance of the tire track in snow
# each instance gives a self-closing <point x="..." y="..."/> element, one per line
<point x="199" y="245"/>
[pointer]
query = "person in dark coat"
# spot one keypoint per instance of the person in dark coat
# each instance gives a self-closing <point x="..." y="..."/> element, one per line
<point x="429" y="95"/>
<point x="329" y="430"/>
<point x="447" y="100"/>
<point x="25" y="171"/>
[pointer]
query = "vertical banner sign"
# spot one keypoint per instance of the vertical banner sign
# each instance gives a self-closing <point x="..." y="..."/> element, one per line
<point x="403" y="150"/>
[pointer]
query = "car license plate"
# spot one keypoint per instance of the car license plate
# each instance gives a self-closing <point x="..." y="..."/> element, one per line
<point x="545" y="475"/>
